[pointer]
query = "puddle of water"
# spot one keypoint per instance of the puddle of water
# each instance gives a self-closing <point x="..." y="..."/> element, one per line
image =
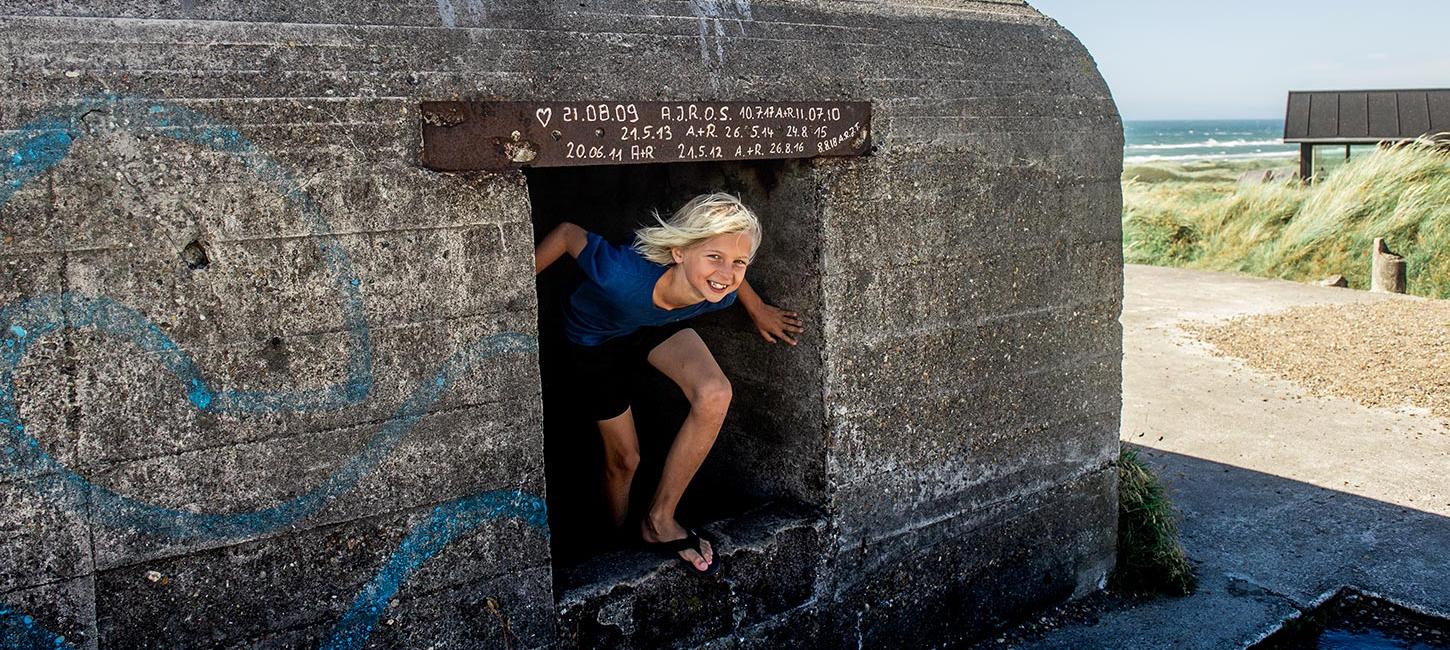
<point x="1351" y="620"/>
<point x="1335" y="639"/>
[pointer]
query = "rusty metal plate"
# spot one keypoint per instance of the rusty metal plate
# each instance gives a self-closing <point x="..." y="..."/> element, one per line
<point x="459" y="136"/>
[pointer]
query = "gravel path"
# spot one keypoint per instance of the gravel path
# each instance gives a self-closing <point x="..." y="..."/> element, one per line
<point x="1389" y="354"/>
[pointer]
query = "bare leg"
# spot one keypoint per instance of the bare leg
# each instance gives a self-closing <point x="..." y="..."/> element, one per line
<point x="621" y="459"/>
<point x="685" y="359"/>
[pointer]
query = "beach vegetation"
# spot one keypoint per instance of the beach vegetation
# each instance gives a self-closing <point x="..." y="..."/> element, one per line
<point x="1151" y="559"/>
<point x="1203" y="216"/>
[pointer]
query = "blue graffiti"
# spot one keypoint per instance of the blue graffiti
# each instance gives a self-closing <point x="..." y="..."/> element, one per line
<point x="447" y="523"/>
<point x="45" y="314"/>
<point x="44" y="143"/>
<point x="19" y="631"/>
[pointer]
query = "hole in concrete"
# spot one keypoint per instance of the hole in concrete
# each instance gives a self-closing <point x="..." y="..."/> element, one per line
<point x="275" y="354"/>
<point x="1354" y="620"/>
<point x="195" y="256"/>
<point x="767" y="452"/>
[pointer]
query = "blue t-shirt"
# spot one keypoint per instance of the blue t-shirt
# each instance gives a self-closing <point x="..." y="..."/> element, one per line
<point x="617" y="295"/>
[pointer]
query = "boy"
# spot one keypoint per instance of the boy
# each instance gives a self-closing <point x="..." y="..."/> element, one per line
<point x="631" y="306"/>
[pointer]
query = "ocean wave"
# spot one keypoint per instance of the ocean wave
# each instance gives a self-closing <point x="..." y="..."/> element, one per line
<point x="1216" y="156"/>
<point x="1207" y="143"/>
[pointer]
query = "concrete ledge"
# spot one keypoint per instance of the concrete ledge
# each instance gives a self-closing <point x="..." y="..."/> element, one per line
<point x="633" y="599"/>
<point x="947" y="581"/>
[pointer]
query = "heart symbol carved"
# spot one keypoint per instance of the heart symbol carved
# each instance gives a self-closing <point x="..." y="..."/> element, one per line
<point x="544" y="115"/>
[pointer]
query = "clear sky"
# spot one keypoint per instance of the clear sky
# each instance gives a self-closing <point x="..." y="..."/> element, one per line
<point x="1182" y="59"/>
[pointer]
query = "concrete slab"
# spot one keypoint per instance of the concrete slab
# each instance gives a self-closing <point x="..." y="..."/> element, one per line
<point x="1286" y="496"/>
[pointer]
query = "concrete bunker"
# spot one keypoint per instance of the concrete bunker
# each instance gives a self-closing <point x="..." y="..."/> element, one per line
<point x="772" y="448"/>
<point x="353" y="447"/>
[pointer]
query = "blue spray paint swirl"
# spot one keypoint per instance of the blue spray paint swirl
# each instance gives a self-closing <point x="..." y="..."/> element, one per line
<point x="19" y="631"/>
<point x="46" y="141"/>
<point x="41" y="145"/>
<point x="45" y="314"/>
<point x="448" y="522"/>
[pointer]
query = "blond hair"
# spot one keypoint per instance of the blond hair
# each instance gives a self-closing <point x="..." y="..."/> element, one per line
<point x="705" y="216"/>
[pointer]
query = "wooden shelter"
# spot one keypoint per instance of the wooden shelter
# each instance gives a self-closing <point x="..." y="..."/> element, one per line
<point x="1350" y="117"/>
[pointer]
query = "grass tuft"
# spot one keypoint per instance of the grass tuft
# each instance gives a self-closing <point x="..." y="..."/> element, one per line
<point x="1150" y="557"/>
<point x="1200" y="216"/>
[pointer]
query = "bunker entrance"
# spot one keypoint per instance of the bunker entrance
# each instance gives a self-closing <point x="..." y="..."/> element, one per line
<point x="771" y="448"/>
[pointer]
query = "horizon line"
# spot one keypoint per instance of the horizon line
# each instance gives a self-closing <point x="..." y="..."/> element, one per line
<point x="1195" y="119"/>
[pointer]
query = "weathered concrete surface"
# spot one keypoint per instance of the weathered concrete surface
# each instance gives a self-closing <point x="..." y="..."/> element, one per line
<point x="238" y="411"/>
<point x="773" y="557"/>
<point x="1286" y="497"/>
<point x="268" y="382"/>
<point x="975" y="373"/>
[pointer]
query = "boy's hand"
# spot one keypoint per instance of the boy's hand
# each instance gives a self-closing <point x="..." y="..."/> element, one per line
<point x="775" y="323"/>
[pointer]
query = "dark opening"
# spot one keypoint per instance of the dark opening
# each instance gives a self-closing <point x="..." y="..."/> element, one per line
<point x="1351" y="619"/>
<point x="194" y="255"/>
<point x="749" y="464"/>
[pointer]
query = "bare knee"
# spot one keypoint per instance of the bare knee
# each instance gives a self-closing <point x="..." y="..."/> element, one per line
<point x="621" y="462"/>
<point x="712" y="396"/>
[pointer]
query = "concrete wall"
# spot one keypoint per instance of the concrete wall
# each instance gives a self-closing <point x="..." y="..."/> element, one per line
<point x="266" y="381"/>
<point x="973" y="372"/>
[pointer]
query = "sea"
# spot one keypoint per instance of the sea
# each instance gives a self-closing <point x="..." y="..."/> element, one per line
<point x="1186" y="140"/>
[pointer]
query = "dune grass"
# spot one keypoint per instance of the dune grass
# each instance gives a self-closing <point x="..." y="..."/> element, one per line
<point x="1150" y="557"/>
<point x="1200" y="216"/>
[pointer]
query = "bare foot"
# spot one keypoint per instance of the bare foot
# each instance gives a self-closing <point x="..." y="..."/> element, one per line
<point x="670" y="530"/>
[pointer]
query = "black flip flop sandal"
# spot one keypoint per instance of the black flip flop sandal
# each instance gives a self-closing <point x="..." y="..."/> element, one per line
<point x="690" y="542"/>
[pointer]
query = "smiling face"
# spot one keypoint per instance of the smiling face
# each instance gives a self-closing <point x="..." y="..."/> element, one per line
<point x="715" y="267"/>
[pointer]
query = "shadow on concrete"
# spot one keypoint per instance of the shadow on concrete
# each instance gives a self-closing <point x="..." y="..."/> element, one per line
<point x="1266" y="548"/>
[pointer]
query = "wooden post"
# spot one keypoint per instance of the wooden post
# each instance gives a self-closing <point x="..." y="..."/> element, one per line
<point x="1387" y="270"/>
<point x="1306" y="162"/>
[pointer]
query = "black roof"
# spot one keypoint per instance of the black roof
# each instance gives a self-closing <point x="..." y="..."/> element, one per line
<point x="1365" y="116"/>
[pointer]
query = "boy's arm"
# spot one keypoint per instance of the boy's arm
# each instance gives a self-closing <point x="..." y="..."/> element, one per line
<point x="772" y="322"/>
<point x="564" y="238"/>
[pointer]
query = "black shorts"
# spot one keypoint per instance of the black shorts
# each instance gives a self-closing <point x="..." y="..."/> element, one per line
<point x="606" y="374"/>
